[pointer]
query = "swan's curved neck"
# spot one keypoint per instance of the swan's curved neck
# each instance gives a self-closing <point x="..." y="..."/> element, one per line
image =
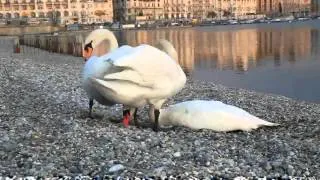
<point x="113" y="43"/>
<point x="168" y="48"/>
<point x="163" y="117"/>
<point x="102" y="41"/>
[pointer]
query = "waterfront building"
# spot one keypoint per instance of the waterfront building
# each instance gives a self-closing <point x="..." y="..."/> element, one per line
<point x="59" y="11"/>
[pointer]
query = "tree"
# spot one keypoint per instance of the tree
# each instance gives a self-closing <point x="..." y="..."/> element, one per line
<point x="212" y="14"/>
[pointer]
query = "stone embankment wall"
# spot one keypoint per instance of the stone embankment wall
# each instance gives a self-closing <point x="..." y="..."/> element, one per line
<point x="65" y="43"/>
<point x="7" y="30"/>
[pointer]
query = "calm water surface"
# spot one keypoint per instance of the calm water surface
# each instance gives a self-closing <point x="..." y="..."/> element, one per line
<point x="279" y="58"/>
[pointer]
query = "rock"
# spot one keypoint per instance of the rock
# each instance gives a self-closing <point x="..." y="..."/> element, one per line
<point x="276" y="164"/>
<point x="143" y="145"/>
<point x="196" y="173"/>
<point x="29" y="178"/>
<point x="307" y="173"/>
<point x="208" y="163"/>
<point x="267" y="166"/>
<point x="9" y="146"/>
<point x="291" y="153"/>
<point x="49" y="166"/>
<point x="177" y="154"/>
<point x="2" y="107"/>
<point x="4" y="138"/>
<point x="116" y="168"/>
<point x="74" y="169"/>
<point x="160" y="171"/>
<point x="290" y="170"/>
<point x="197" y="143"/>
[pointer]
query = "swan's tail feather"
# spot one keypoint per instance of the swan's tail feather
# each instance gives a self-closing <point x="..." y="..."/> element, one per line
<point x="262" y="122"/>
<point x="272" y="124"/>
<point x="266" y="123"/>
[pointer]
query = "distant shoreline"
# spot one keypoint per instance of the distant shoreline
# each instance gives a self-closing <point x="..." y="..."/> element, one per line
<point x="50" y="29"/>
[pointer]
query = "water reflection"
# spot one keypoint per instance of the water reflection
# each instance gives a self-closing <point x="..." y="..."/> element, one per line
<point x="237" y="50"/>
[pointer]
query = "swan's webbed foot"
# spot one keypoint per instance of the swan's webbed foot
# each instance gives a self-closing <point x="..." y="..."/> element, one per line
<point x="156" y="122"/>
<point x="90" y="108"/>
<point x="126" y="118"/>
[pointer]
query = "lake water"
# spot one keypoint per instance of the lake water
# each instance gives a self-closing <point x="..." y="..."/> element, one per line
<point x="280" y="58"/>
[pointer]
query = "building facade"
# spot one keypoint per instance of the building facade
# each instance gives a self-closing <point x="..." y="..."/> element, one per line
<point x="284" y="7"/>
<point x="180" y="9"/>
<point x="315" y="7"/>
<point x="61" y="11"/>
<point x="236" y="8"/>
<point x="133" y="10"/>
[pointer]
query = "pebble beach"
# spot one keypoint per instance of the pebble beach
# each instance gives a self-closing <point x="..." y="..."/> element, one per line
<point x="45" y="131"/>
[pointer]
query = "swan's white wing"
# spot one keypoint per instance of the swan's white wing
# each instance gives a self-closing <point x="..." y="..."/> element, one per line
<point x="149" y="63"/>
<point x="100" y="66"/>
<point x="145" y="67"/>
<point x="117" y="53"/>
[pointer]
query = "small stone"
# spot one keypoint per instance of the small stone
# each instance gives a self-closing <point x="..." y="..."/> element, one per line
<point x="208" y="163"/>
<point x="196" y="173"/>
<point x="81" y="163"/>
<point x="36" y="163"/>
<point x="252" y="174"/>
<point x="116" y="168"/>
<point x="74" y="169"/>
<point x="285" y="177"/>
<point x="29" y="178"/>
<point x="5" y="138"/>
<point x="158" y="171"/>
<point x="50" y="166"/>
<point x="197" y="142"/>
<point x="177" y="154"/>
<point x="10" y="146"/>
<point x="267" y="166"/>
<point x="230" y="162"/>
<point x="237" y="169"/>
<point x="291" y="170"/>
<point x="143" y="145"/>
<point x="276" y="164"/>
<point x="307" y="173"/>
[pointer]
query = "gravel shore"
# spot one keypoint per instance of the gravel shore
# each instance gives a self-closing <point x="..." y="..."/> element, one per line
<point x="44" y="130"/>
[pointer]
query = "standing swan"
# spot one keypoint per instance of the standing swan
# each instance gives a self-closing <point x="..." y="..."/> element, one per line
<point x="214" y="115"/>
<point x="97" y="43"/>
<point x="132" y="76"/>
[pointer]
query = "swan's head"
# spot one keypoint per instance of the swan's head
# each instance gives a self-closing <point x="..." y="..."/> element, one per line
<point x="167" y="47"/>
<point x="99" y="42"/>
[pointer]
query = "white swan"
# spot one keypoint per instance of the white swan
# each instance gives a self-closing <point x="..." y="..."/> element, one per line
<point x="132" y="76"/>
<point x="214" y="115"/>
<point x="98" y="42"/>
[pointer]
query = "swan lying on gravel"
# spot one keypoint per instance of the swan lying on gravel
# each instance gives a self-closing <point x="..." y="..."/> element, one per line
<point x="214" y="115"/>
<point x="132" y="76"/>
